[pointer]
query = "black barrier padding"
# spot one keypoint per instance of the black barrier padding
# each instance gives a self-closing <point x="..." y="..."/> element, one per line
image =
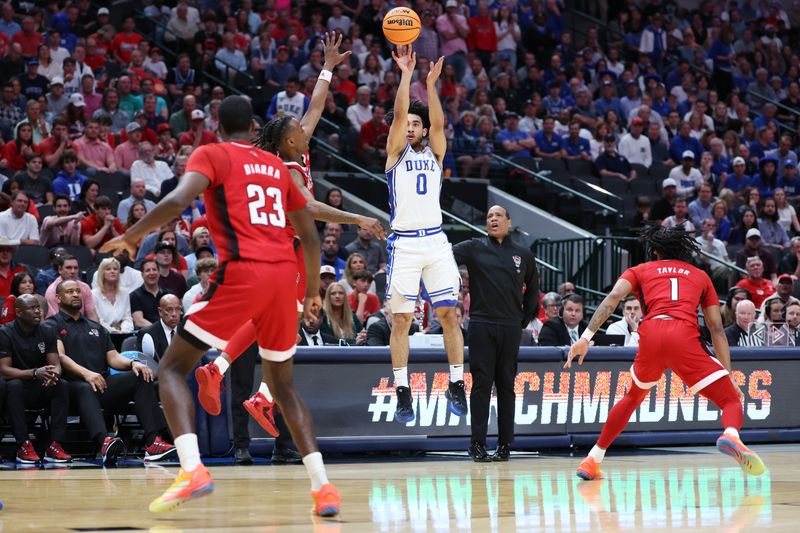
<point x="378" y="354"/>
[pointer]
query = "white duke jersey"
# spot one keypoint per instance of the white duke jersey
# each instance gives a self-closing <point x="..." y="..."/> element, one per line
<point x="415" y="184"/>
<point x="294" y="106"/>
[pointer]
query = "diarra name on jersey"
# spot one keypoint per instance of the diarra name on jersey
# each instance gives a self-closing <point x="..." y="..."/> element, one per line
<point x="265" y="170"/>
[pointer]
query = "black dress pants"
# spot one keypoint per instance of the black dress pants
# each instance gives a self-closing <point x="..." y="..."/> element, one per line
<point x="242" y="380"/>
<point x="121" y="389"/>
<point x="493" y="351"/>
<point x="31" y="394"/>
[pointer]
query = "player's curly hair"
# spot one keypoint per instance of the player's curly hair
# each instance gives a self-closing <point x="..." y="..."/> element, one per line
<point x="414" y="108"/>
<point x="273" y="133"/>
<point x="670" y="243"/>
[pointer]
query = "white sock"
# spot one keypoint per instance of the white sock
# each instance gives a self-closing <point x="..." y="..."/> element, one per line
<point x="456" y="373"/>
<point x="316" y="470"/>
<point x="188" y="451"/>
<point x="263" y="389"/>
<point x="222" y="364"/>
<point x="597" y="454"/>
<point x="733" y="432"/>
<point x="400" y="377"/>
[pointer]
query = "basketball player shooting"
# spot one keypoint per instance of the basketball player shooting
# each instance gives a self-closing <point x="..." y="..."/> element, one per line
<point x="670" y="290"/>
<point x="289" y="139"/>
<point x="249" y="198"/>
<point x="418" y="248"/>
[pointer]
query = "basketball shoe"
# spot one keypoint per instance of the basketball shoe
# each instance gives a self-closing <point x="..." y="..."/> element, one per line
<point x="187" y="486"/>
<point x="404" y="412"/>
<point x="209" y="381"/>
<point x="159" y="450"/>
<point x="327" y="501"/>
<point x="589" y="469"/>
<point x="749" y="460"/>
<point x="261" y="409"/>
<point x="110" y="450"/>
<point x="26" y="454"/>
<point x="456" y="398"/>
<point x="56" y="454"/>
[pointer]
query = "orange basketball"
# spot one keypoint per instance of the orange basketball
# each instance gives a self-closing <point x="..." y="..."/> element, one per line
<point x="401" y="26"/>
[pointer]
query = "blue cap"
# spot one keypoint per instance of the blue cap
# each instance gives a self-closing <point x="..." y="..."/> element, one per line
<point x="33" y="61"/>
<point x="789" y="163"/>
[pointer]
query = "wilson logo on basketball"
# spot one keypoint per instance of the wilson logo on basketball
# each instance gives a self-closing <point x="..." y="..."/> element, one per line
<point x="400" y="22"/>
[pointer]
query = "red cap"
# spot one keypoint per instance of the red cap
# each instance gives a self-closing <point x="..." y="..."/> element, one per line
<point x="636" y="121"/>
<point x="163" y="127"/>
<point x="785" y="278"/>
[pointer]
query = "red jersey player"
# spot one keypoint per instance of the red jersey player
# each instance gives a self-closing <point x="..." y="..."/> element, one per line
<point x="289" y="138"/>
<point x="249" y="196"/>
<point x="670" y="290"/>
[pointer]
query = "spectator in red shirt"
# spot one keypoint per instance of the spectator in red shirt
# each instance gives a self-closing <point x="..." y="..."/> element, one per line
<point x="29" y="39"/>
<point x="7" y="268"/>
<point x="53" y="147"/>
<point x="197" y="135"/>
<point x="101" y="226"/>
<point x="363" y="303"/>
<point x="346" y="85"/>
<point x="140" y="117"/>
<point x="759" y="287"/>
<point x="125" y="42"/>
<point x="372" y="139"/>
<point x="15" y="151"/>
<point x="482" y="35"/>
<point x="166" y="148"/>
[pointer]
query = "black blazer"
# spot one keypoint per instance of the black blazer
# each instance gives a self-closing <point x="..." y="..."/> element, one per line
<point x="554" y="333"/>
<point x="326" y="339"/>
<point x="160" y="342"/>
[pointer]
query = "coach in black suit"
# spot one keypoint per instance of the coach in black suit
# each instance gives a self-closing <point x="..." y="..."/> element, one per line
<point x="310" y="334"/>
<point x="567" y="327"/>
<point x="155" y="338"/>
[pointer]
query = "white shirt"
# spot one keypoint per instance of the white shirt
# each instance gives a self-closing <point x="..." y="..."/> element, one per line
<point x="785" y="216"/>
<point x="718" y="249"/>
<point x="636" y="150"/>
<point x="574" y="334"/>
<point x="671" y="222"/>
<point x="16" y="229"/>
<point x="130" y="279"/>
<point x="359" y="115"/>
<point x="153" y="175"/>
<point x="112" y="312"/>
<point x="686" y="184"/>
<point x="621" y="328"/>
<point x="148" y="346"/>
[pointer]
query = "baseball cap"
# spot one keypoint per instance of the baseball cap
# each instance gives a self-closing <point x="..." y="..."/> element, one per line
<point x="451" y="3"/>
<point x="57" y="80"/>
<point x="607" y="83"/>
<point x="132" y="126"/>
<point x="165" y="245"/>
<point x="163" y="127"/>
<point x="789" y="163"/>
<point x="785" y="278"/>
<point x="610" y="139"/>
<point x="6" y="242"/>
<point x="33" y="61"/>
<point x="636" y="121"/>
<point x="511" y="114"/>
<point x="283" y="47"/>
<point x="687" y="154"/>
<point x="198" y="114"/>
<point x="201" y="249"/>
<point x="669" y="182"/>
<point x="103" y="11"/>
<point x="753" y="232"/>
<point x="76" y="99"/>
<point x="327" y="269"/>
<point x="738" y="161"/>
<point x="199" y="230"/>
<point x="139" y="113"/>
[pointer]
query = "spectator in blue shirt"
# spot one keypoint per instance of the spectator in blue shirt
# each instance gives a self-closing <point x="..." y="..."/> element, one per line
<point x="608" y="101"/>
<point x="515" y="143"/>
<point x="279" y="71"/>
<point x="329" y="256"/>
<point x="684" y="141"/>
<point x="69" y="181"/>
<point x="783" y="152"/>
<point x="789" y="181"/>
<point x="573" y="146"/>
<point x="547" y="142"/>
<point x="765" y="141"/>
<point x="229" y="60"/>
<point x="767" y="178"/>
<point x="553" y="103"/>
<point x="737" y="181"/>
<point x="7" y="23"/>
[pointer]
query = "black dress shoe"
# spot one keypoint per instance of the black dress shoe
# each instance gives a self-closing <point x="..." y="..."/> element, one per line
<point x="478" y="453"/>
<point x="285" y="456"/>
<point x="241" y="456"/>
<point x="502" y="453"/>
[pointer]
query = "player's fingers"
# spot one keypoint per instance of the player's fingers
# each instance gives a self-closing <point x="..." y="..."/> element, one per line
<point x="347" y="53"/>
<point x="580" y="359"/>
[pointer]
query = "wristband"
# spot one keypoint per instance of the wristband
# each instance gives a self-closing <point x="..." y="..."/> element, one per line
<point x="588" y="334"/>
<point x="326" y="75"/>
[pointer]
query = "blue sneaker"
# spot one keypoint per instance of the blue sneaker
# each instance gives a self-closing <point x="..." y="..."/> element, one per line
<point x="456" y="398"/>
<point x="749" y="460"/>
<point x="404" y="412"/>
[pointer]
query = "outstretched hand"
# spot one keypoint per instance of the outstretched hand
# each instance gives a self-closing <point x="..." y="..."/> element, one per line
<point x="116" y="245"/>
<point x="330" y="49"/>
<point x="374" y="225"/>
<point x="578" y="349"/>
<point x="405" y="58"/>
<point x="435" y="71"/>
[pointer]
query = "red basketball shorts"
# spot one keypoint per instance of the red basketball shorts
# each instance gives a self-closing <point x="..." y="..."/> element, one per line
<point x="248" y="290"/>
<point x="301" y="276"/>
<point x="676" y="345"/>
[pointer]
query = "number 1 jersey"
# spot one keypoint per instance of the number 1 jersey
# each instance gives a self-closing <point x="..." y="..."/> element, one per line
<point x="246" y="203"/>
<point x="671" y="288"/>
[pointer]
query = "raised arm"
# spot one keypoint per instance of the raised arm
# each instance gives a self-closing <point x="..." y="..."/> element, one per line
<point x="330" y="46"/>
<point x="396" y="142"/>
<point x="436" y="138"/>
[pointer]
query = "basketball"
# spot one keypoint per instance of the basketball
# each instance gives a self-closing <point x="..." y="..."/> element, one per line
<point x="401" y="26"/>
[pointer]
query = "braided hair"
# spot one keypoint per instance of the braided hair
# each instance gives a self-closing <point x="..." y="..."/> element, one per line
<point x="273" y="133"/>
<point x="670" y="243"/>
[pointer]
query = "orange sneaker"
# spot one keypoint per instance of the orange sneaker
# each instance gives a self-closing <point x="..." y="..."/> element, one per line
<point x="209" y="381"/>
<point x="187" y="486"/>
<point x="589" y="469"/>
<point x="327" y="501"/>
<point x="261" y="409"/>
<point x="749" y="460"/>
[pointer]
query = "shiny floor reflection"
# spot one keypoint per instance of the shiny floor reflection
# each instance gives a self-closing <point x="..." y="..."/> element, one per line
<point x="668" y="490"/>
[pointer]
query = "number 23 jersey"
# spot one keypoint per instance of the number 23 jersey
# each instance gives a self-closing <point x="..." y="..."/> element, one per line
<point x="671" y="288"/>
<point x="246" y="203"/>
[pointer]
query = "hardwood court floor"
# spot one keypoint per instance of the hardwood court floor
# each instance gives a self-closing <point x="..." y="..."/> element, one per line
<point x="678" y="489"/>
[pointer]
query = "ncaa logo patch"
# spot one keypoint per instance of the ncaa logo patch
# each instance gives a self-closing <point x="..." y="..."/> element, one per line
<point x="41" y="347"/>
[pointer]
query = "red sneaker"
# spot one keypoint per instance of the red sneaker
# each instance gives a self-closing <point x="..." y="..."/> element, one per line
<point x="327" y="501"/>
<point x="261" y="409"/>
<point x="209" y="379"/>
<point x="56" y="454"/>
<point x="159" y="450"/>
<point x="26" y="454"/>
<point x="112" y="447"/>
<point x="589" y="469"/>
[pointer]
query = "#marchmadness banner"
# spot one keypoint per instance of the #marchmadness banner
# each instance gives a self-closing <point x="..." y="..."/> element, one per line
<point x="358" y="400"/>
